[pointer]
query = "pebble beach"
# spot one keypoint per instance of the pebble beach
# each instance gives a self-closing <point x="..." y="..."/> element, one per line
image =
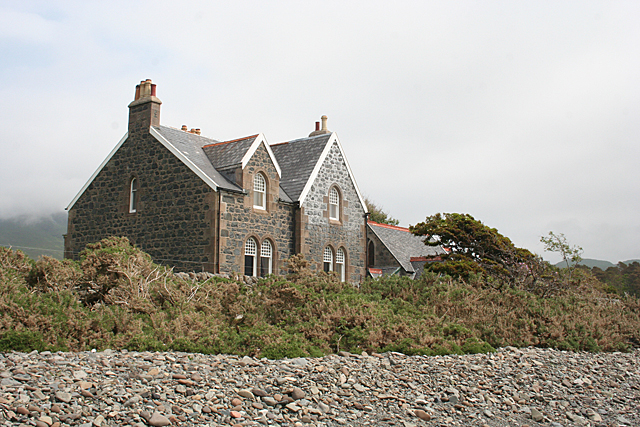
<point x="511" y="387"/>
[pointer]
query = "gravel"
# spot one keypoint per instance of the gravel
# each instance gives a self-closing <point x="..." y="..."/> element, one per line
<point x="512" y="387"/>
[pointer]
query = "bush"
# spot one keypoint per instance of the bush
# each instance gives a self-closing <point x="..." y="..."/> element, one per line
<point x="116" y="297"/>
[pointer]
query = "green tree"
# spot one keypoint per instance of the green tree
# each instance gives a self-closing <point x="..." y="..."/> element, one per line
<point x="475" y="248"/>
<point x="376" y="214"/>
<point x="571" y="255"/>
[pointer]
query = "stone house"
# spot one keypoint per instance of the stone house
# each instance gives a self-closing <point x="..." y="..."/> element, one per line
<point x="241" y="206"/>
<point x="223" y="206"/>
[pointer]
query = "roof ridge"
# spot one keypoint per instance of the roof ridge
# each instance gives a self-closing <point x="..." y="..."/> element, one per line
<point x="392" y="227"/>
<point x="233" y="140"/>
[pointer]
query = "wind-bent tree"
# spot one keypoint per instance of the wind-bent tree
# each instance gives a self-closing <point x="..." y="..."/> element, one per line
<point x="475" y="248"/>
<point x="376" y="214"/>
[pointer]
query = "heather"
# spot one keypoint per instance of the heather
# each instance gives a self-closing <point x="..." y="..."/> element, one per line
<point x="116" y="297"/>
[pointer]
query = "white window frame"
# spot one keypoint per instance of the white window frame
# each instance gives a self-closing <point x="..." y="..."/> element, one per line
<point x="251" y="249"/>
<point x="341" y="264"/>
<point x="266" y="251"/>
<point x="259" y="191"/>
<point x="133" y="195"/>
<point x="334" y="204"/>
<point x="327" y="257"/>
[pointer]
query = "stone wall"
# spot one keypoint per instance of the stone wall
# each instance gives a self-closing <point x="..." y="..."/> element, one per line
<point x="318" y="231"/>
<point x="240" y="220"/>
<point x="176" y="215"/>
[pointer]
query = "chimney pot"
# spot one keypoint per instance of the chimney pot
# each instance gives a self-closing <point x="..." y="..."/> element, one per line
<point x="317" y="126"/>
<point x="324" y="124"/>
<point x="192" y="130"/>
<point x="198" y="131"/>
<point x="184" y="128"/>
<point x="141" y="118"/>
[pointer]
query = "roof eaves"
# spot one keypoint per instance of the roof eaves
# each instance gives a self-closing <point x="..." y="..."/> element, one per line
<point x="254" y="146"/>
<point x="206" y="178"/>
<point x="86" y="185"/>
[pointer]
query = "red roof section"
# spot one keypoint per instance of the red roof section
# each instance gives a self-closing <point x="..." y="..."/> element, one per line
<point x="227" y="142"/>
<point x="424" y="258"/>
<point x="392" y="227"/>
<point x="280" y="143"/>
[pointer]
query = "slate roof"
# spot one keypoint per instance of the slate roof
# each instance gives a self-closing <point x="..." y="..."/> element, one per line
<point x="190" y="145"/>
<point x="226" y="154"/>
<point x="297" y="160"/>
<point x="402" y="244"/>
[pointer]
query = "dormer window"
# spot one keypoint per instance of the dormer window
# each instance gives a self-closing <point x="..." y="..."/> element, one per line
<point x="133" y="196"/>
<point x="334" y="204"/>
<point x="259" y="191"/>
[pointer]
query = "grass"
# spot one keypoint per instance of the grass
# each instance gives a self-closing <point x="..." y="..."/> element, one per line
<point x="115" y="297"/>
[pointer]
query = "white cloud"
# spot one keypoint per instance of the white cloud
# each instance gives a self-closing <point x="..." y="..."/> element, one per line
<point x="523" y="115"/>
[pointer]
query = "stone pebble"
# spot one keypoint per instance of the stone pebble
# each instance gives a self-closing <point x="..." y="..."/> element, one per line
<point x="511" y="387"/>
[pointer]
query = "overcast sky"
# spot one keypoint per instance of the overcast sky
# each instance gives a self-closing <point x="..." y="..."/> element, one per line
<point x="522" y="114"/>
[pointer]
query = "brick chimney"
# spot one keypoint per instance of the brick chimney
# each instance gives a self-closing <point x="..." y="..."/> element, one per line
<point x="144" y="111"/>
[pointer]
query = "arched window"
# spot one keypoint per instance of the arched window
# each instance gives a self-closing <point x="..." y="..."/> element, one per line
<point x="340" y="264"/>
<point x="372" y="254"/>
<point x="334" y="204"/>
<point x="133" y="195"/>
<point x="266" y="258"/>
<point x="328" y="259"/>
<point x="250" y="257"/>
<point x="259" y="191"/>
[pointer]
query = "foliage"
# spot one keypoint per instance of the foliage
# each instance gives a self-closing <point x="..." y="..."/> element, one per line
<point x="115" y="297"/>
<point x="475" y="248"/>
<point x="623" y="278"/>
<point x="571" y="255"/>
<point x="376" y="214"/>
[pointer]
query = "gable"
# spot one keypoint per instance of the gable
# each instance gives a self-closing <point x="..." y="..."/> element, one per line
<point x="332" y="140"/>
<point x="238" y="152"/>
<point x="185" y="146"/>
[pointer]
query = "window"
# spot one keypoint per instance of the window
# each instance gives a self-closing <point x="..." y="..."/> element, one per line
<point x="340" y="264"/>
<point x="265" y="258"/>
<point x="133" y="196"/>
<point x="372" y="254"/>
<point x="250" y="255"/>
<point x="259" y="191"/>
<point x="328" y="259"/>
<point x="334" y="204"/>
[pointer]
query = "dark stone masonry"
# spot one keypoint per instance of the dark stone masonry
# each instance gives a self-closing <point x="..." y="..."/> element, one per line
<point x="190" y="202"/>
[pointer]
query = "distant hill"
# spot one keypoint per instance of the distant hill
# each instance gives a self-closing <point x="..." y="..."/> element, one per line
<point x="601" y="264"/>
<point x="37" y="237"/>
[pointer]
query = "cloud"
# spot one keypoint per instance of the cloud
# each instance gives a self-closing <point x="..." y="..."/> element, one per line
<point x="523" y="115"/>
